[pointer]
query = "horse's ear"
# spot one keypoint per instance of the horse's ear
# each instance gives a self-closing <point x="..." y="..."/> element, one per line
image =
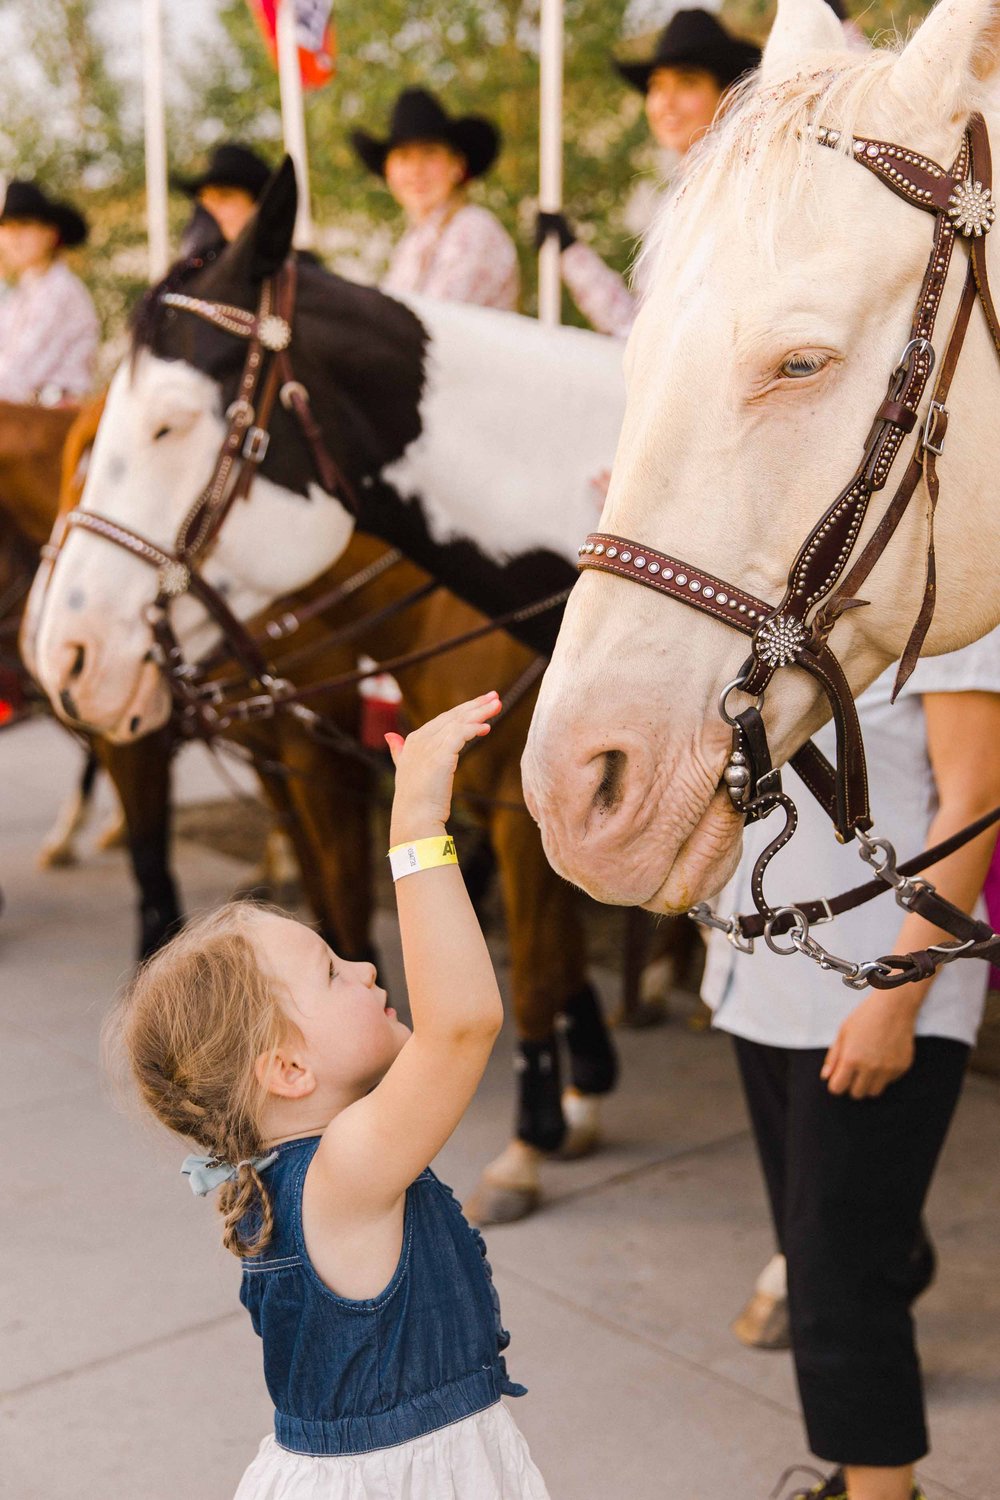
<point x="955" y="49"/>
<point x="801" y="27"/>
<point x="265" y="241"/>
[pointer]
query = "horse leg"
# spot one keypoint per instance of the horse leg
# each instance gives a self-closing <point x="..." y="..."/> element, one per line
<point x="140" y="773"/>
<point x="278" y="869"/>
<point x="326" y="797"/>
<point x="58" y="850"/>
<point x="547" y="976"/>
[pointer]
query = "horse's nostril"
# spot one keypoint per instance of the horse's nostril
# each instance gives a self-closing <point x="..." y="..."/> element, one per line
<point x="69" y="707"/>
<point x="77" y="667"/>
<point x="134" y="723"/>
<point x="609" y="792"/>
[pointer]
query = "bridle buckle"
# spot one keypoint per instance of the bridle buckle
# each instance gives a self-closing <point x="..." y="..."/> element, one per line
<point x="255" y="444"/>
<point x="937" y="414"/>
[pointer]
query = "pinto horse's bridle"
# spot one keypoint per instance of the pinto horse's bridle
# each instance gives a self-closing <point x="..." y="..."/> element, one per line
<point x="266" y="378"/>
<point x="824" y="579"/>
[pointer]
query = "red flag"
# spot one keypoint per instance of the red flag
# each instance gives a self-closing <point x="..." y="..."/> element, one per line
<point x="314" y="32"/>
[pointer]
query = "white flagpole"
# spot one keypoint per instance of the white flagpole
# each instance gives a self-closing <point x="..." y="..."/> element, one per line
<point x="550" y="155"/>
<point x="293" y="119"/>
<point x="157" y="236"/>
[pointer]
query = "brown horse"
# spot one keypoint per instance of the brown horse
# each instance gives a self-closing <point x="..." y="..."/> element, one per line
<point x="547" y="948"/>
<point x="34" y="442"/>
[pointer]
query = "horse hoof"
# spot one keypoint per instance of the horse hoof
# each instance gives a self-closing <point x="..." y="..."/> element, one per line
<point x="492" y="1203"/>
<point x="583" y="1125"/>
<point x="61" y="856"/>
<point x="114" y="836"/>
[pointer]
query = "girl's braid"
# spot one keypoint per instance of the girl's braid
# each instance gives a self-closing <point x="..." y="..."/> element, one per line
<point x="193" y="1024"/>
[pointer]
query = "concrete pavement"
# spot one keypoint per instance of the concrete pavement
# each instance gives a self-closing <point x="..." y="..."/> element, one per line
<point x="128" y="1371"/>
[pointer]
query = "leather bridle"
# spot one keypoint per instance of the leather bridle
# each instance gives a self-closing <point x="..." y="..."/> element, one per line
<point x="823" y="582"/>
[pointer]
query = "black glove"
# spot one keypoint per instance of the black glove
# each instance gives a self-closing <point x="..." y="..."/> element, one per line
<point x="548" y="223"/>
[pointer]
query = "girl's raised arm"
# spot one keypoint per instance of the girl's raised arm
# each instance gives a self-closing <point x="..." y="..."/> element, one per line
<point x="374" y="1149"/>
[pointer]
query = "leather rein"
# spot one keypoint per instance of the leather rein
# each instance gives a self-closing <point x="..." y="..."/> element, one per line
<point x="823" y="578"/>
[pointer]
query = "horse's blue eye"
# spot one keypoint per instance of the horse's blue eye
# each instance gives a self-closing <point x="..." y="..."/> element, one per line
<point x="799" y="366"/>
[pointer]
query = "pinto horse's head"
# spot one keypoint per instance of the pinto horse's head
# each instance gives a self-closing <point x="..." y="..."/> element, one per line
<point x="781" y="281"/>
<point x="156" y="450"/>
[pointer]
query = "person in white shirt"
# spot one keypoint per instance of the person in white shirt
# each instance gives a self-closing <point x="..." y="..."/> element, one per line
<point x="48" y="326"/>
<point x="851" y="1097"/>
<point x="452" y="249"/>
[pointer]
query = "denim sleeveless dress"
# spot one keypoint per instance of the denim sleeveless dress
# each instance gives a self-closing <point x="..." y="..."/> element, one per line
<point x="392" y="1395"/>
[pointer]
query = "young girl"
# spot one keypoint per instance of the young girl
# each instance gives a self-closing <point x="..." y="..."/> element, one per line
<point x="318" y="1112"/>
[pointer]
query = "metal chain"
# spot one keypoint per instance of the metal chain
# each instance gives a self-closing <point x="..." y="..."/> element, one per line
<point x="880" y="855"/>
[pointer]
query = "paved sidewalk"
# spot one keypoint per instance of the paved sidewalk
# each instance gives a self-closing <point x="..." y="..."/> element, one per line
<point x="128" y="1371"/>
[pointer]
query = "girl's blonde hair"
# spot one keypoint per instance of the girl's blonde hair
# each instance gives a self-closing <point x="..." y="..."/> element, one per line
<point x="192" y="1024"/>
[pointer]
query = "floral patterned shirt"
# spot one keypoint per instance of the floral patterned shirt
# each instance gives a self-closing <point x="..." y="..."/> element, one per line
<point x="48" y="335"/>
<point x="598" y="291"/>
<point x="458" y="255"/>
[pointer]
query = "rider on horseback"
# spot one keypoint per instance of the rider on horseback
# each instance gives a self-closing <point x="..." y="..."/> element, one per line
<point x="48" y="327"/>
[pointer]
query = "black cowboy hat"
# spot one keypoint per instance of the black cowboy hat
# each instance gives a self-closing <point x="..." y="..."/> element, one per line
<point x="230" y="165"/>
<point x="25" y="201"/>
<point x="694" y="39"/>
<point x="417" y="116"/>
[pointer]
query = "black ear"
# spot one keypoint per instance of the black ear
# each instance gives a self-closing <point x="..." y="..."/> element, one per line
<point x="264" y="244"/>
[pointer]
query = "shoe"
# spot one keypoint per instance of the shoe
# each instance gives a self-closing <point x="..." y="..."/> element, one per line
<point x="763" y="1322"/>
<point x="834" y="1488"/>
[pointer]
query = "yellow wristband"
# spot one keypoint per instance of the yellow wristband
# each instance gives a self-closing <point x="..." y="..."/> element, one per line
<point x="425" y="854"/>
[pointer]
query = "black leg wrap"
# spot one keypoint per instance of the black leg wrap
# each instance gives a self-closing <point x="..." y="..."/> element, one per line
<point x="159" y="907"/>
<point x="593" y="1060"/>
<point x="158" y="922"/>
<point x="540" y="1121"/>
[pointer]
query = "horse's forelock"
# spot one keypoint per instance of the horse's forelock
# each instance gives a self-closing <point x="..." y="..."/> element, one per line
<point x="754" y="166"/>
<point x="147" y="317"/>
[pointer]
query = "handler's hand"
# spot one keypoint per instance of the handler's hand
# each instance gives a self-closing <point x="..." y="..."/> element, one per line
<point x="874" y="1047"/>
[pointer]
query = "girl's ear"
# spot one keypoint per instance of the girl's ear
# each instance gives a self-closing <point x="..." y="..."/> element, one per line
<point x="279" y="1074"/>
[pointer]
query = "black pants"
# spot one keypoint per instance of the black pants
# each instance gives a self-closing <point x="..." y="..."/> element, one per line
<point x="847" y="1181"/>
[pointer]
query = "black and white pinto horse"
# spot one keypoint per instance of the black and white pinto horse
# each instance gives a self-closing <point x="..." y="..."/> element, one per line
<point x="471" y="439"/>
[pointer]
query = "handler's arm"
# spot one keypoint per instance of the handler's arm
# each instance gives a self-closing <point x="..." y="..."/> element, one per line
<point x="875" y="1043"/>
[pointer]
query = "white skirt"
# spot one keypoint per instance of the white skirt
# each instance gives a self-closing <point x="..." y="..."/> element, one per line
<point x="483" y="1457"/>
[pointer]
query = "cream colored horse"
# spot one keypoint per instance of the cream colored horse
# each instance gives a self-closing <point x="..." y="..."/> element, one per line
<point x="782" y="280"/>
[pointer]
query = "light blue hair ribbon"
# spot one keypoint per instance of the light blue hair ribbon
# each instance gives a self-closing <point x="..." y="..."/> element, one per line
<point x="206" y="1173"/>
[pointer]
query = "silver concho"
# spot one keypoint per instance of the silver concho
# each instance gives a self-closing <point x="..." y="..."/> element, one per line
<point x="971" y="208"/>
<point x="173" y="579"/>
<point x="273" y="332"/>
<point x="779" y="640"/>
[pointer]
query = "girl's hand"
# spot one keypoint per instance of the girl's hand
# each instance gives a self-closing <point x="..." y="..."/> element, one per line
<point x="426" y="762"/>
<point x="874" y="1047"/>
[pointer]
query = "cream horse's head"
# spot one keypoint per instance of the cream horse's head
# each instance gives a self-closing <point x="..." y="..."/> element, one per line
<point x="781" y="279"/>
